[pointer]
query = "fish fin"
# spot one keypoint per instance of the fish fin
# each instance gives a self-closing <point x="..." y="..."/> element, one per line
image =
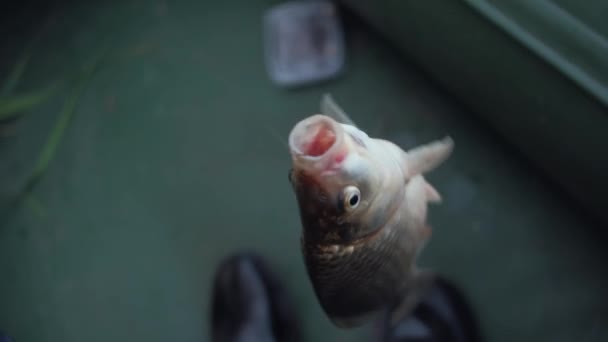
<point x="330" y="108"/>
<point x="428" y="231"/>
<point x="425" y="158"/>
<point x="432" y="194"/>
<point x="418" y="193"/>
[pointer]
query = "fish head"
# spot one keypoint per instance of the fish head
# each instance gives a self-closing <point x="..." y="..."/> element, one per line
<point x="336" y="180"/>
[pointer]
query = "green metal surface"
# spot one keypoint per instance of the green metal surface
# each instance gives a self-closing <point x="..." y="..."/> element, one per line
<point x="177" y="157"/>
<point x="537" y="78"/>
<point x="566" y="42"/>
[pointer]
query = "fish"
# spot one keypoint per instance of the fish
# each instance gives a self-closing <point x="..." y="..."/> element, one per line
<point x="362" y="204"/>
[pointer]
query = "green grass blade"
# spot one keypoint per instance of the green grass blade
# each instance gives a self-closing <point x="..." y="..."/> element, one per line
<point x="67" y="113"/>
<point x="50" y="147"/>
<point x="19" y="69"/>
<point x="14" y="77"/>
<point x="16" y="105"/>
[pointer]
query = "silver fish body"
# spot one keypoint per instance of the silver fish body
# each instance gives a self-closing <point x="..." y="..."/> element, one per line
<point x="363" y="206"/>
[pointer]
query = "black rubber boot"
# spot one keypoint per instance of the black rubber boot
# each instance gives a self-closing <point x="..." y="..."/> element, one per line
<point x="250" y="304"/>
<point x="444" y="316"/>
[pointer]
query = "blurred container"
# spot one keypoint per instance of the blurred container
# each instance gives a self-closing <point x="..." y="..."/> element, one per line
<point x="304" y="42"/>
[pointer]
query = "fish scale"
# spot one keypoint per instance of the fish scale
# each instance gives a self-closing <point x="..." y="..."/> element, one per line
<point x="371" y="274"/>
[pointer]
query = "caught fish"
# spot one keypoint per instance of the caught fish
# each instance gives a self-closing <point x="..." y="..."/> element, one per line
<point x="363" y="207"/>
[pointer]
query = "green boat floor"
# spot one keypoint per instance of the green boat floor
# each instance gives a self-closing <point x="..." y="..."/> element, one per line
<point x="177" y="157"/>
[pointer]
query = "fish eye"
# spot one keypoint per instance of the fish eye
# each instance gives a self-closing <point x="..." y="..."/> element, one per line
<point x="352" y="197"/>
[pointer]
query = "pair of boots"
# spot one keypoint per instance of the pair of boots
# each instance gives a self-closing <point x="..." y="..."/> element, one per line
<point x="249" y="304"/>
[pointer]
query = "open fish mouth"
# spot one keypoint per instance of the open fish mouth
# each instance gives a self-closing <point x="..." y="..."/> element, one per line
<point x="315" y="136"/>
<point x="314" y="140"/>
